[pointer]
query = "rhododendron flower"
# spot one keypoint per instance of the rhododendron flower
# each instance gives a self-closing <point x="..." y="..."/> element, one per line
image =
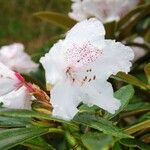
<point x="9" y="80"/>
<point x="104" y="10"/>
<point x="18" y="99"/>
<point x="14" y="91"/>
<point x="79" y="67"/>
<point x="16" y="59"/>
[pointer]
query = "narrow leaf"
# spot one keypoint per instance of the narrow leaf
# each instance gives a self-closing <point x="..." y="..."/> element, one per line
<point x="144" y="117"/>
<point x="128" y="28"/>
<point x="56" y="18"/>
<point x="30" y="114"/>
<point x="131" y="80"/>
<point x="137" y="127"/>
<point x="12" y="137"/>
<point x="132" y="13"/>
<point x="38" y="144"/>
<point x="14" y="122"/>
<point x="135" y="143"/>
<point x="96" y="141"/>
<point x="110" y="28"/>
<point x="147" y="72"/>
<point x="136" y="108"/>
<point x="116" y="146"/>
<point x="100" y="124"/>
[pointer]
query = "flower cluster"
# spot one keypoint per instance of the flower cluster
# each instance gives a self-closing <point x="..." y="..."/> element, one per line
<point x="104" y="10"/>
<point x="79" y="67"/>
<point x="78" y="92"/>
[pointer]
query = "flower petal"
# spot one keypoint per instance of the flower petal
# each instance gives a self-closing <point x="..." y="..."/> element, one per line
<point x="64" y="100"/>
<point x="78" y="12"/>
<point x="19" y="99"/>
<point x="53" y="62"/>
<point x="18" y="60"/>
<point x="104" y="10"/>
<point x="115" y="57"/>
<point x="79" y="67"/>
<point x="101" y="94"/>
<point x="90" y="30"/>
<point x="8" y="80"/>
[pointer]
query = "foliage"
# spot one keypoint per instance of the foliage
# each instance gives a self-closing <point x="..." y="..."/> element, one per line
<point x="92" y="128"/>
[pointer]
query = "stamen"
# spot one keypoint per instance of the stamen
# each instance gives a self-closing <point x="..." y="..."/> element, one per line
<point x="82" y="55"/>
<point x="94" y="77"/>
<point x="85" y="78"/>
<point x="88" y="70"/>
<point x="78" y="57"/>
<point x="89" y="80"/>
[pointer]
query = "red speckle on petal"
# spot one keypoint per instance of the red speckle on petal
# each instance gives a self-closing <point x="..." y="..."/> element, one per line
<point x="82" y="55"/>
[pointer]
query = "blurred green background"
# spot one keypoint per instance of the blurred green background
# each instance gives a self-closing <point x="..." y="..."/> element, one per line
<point x="17" y="23"/>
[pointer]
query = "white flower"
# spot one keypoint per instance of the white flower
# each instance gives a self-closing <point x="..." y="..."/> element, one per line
<point x="14" y="91"/>
<point x="104" y="10"/>
<point x="79" y="67"/>
<point x="16" y="59"/>
<point x="17" y="99"/>
<point x="9" y="80"/>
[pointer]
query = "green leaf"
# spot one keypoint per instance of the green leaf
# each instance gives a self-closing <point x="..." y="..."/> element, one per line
<point x="96" y="141"/>
<point x="14" y="122"/>
<point x="135" y="143"/>
<point x="147" y="34"/>
<point x="143" y="28"/>
<point x="12" y="137"/>
<point x="131" y="80"/>
<point x="100" y="124"/>
<point x="86" y="108"/>
<point x="63" y="145"/>
<point x="56" y="18"/>
<point x="110" y="28"/>
<point x="38" y="144"/>
<point x="36" y="56"/>
<point x="137" y="127"/>
<point x="71" y="140"/>
<point x="31" y="114"/>
<point x="124" y="94"/>
<point x="127" y="29"/>
<point x="147" y="72"/>
<point x="144" y="117"/>
<point x="116" y="146"/>
<point x="136" y="108"/>
<point x="132" y="13"/>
